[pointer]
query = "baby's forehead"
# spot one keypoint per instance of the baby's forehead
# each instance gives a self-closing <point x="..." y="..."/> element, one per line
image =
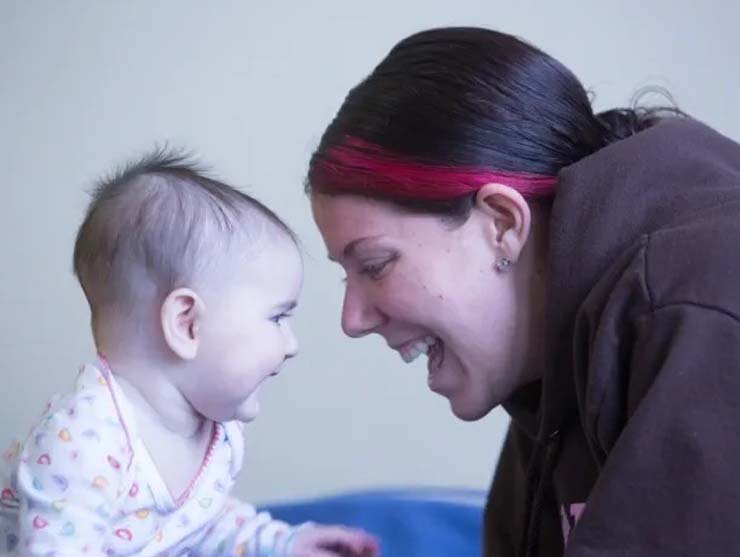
<point x="260" y="239"/>
<point x="267" y="263"/>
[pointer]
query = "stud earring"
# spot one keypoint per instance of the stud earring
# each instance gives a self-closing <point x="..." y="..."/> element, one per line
<point x="502" y="264"/>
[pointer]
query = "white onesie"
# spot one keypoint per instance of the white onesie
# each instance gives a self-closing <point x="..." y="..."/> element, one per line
<point x="84" y="484"/>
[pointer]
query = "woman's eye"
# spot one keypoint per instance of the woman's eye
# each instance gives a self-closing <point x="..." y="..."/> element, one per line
<point x="374" y="270"/>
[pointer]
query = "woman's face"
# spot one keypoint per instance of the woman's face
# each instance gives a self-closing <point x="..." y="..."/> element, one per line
<point x="427" y="286"/>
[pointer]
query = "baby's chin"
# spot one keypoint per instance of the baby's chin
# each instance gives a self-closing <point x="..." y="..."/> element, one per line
<point x="248" y="410"/>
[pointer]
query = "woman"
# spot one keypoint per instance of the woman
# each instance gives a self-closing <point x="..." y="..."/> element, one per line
<point x="581" y="269"/>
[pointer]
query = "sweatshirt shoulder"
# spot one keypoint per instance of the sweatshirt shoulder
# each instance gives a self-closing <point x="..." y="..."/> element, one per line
<point x="696" y="264"/>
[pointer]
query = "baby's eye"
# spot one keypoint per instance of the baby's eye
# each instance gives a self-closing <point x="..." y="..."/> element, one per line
<point x="280" y="317"/>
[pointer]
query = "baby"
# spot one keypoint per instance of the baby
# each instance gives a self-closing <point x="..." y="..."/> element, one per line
<point x="191" y="284"/>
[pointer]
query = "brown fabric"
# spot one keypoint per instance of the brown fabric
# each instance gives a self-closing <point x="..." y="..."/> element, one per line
<point x="643" y="355"/>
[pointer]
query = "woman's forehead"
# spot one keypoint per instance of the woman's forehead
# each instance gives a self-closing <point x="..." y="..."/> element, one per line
<point x="347" y="222"/>
<point x="352" y="211"/>
<point x="343" y="207"/>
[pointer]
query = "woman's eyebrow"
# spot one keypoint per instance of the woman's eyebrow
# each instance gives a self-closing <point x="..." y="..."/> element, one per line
<point x="350" y="248"/>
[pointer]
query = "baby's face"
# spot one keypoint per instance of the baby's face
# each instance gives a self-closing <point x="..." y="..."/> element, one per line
<point x="246" y="333"/>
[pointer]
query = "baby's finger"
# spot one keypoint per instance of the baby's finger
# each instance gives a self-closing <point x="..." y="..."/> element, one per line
<point x="358" y="541"/>
<point x="369" y="545"/>
<point x="318" y="553"/>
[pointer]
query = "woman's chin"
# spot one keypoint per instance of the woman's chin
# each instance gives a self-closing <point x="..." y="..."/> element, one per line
<point x="468" y="412"/>
<point x="468" y="405"/>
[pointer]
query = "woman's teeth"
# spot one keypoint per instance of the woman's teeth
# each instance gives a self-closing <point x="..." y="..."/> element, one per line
<point x="413" y="351"/>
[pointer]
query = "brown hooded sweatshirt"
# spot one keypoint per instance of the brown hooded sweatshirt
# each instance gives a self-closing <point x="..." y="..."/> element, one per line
<point x="630" y="444"/>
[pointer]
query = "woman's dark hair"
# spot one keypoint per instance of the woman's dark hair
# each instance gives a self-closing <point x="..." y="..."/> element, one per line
<point x="463" y="106"/>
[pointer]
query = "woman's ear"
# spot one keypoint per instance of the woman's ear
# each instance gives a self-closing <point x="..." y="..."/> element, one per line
<point x="509" y="218"/>
<point x="181" y="315"/>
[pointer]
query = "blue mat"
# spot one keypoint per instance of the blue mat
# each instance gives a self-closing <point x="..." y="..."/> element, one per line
<point x="409" y="522"/>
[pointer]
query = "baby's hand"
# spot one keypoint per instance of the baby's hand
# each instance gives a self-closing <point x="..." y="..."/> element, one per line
<point x="334" y="541"/>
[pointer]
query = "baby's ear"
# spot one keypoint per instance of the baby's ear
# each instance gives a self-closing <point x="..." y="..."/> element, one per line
<point x="181" y="314"/>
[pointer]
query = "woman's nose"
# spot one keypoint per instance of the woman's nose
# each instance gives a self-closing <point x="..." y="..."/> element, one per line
<point x="359" y="316"/>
